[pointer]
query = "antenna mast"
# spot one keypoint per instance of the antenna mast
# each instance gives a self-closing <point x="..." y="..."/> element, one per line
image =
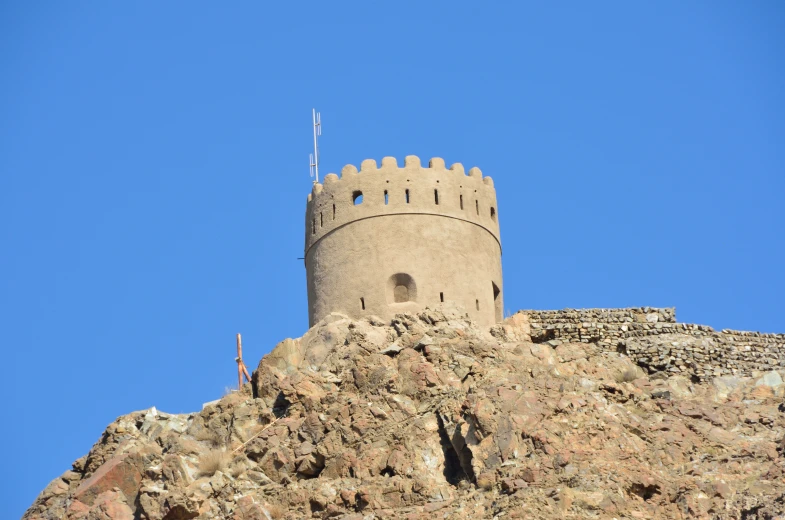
<point x="317" y="131"/>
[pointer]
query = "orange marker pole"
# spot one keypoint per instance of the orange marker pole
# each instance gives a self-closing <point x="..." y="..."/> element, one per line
<point x="239" y="362"/>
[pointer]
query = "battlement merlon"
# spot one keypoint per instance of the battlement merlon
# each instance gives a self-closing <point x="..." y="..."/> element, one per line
<point x="389" y="190"/>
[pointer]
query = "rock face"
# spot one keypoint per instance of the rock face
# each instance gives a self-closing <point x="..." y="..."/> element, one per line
<point x="432" y="417"/>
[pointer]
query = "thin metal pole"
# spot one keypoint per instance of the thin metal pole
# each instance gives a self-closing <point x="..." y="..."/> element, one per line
<point x="315" y="147"/>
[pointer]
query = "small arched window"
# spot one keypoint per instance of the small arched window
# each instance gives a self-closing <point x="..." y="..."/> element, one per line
<point x="401" y="288"/>
<point x="357" y="197"/>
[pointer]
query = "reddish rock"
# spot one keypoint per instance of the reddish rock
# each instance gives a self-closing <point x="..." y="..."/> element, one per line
<point x="77" y="510"/>
<point x="110" y="505"/>
<point x="123" y="472"/>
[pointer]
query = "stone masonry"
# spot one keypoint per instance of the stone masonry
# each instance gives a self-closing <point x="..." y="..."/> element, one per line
<point x="654" y="339"/>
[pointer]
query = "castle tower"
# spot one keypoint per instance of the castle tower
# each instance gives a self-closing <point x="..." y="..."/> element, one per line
<point x="388" y="240"/>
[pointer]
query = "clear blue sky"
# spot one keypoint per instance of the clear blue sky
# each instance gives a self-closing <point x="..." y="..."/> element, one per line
<point x="154" y="171"/>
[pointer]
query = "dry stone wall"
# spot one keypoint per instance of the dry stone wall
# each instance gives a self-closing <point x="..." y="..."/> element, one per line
<point x="654" y="339"/>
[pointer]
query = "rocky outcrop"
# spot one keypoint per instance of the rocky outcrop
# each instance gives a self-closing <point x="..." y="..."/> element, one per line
<point x="430" y="416"/>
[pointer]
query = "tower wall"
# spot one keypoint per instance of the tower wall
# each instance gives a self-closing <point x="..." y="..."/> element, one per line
<point x="420" y="236"/>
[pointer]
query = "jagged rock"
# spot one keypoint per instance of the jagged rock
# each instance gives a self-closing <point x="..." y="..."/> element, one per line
<point x="430" y="416"/>
<point x="123" y="472"/>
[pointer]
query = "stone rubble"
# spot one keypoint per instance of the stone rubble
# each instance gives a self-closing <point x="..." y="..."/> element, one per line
<point x="432" y="417"/>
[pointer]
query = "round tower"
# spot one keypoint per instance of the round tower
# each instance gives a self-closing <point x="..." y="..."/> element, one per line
<point x="387" y="239"/>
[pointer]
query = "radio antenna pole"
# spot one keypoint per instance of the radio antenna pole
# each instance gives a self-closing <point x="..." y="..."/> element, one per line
<point x="317" y="131"/>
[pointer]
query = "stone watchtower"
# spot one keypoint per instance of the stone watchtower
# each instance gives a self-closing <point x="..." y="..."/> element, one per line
<point x="389" y="239"/>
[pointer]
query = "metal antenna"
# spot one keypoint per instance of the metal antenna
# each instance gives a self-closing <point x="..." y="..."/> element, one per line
<point x="317" y="131"/>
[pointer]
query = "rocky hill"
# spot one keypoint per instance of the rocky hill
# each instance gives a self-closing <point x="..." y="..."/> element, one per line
<point x="432" y="417"/>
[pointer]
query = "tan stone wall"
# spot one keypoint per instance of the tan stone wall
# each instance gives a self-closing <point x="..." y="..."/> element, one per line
<point x="441" y="240"/>
<point x="652" y="337"/>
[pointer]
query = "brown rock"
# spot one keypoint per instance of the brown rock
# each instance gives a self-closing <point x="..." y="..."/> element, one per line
<point x="529" y="475"/>
<point x="436" y="506"/>
<point x="761" y="392"/>
<point x="248" y="509"/>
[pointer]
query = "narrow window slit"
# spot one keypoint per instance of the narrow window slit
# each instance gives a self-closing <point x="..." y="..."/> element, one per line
<point x="386" y="197"/>
<point x="441" y="297"/>
<point x="436" y="196"/>
<point x="314" y="226"/>
<point x="461" y="200"/>
<point x="477" y="304"/>
<point x="477" y="205"/>
<point x="407" y="196"/>
<point x="321" y="219"/>
<point x="362" y="303"/>
<point x="333" y="211"/>
<point x="493" y="213"/>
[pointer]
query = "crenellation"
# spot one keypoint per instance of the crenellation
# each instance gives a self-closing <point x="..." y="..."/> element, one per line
<point x="654" y="339"/>
<point x="350" y="170"/>
<point x="389" y="163"/>
<point x="367" y="165"/>
<point x="437" y="163"/>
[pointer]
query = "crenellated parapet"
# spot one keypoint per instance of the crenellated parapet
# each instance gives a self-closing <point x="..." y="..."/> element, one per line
<point x="388" y="189"/>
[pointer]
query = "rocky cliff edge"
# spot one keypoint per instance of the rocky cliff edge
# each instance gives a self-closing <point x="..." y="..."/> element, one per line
<point x="432" y="417"/>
